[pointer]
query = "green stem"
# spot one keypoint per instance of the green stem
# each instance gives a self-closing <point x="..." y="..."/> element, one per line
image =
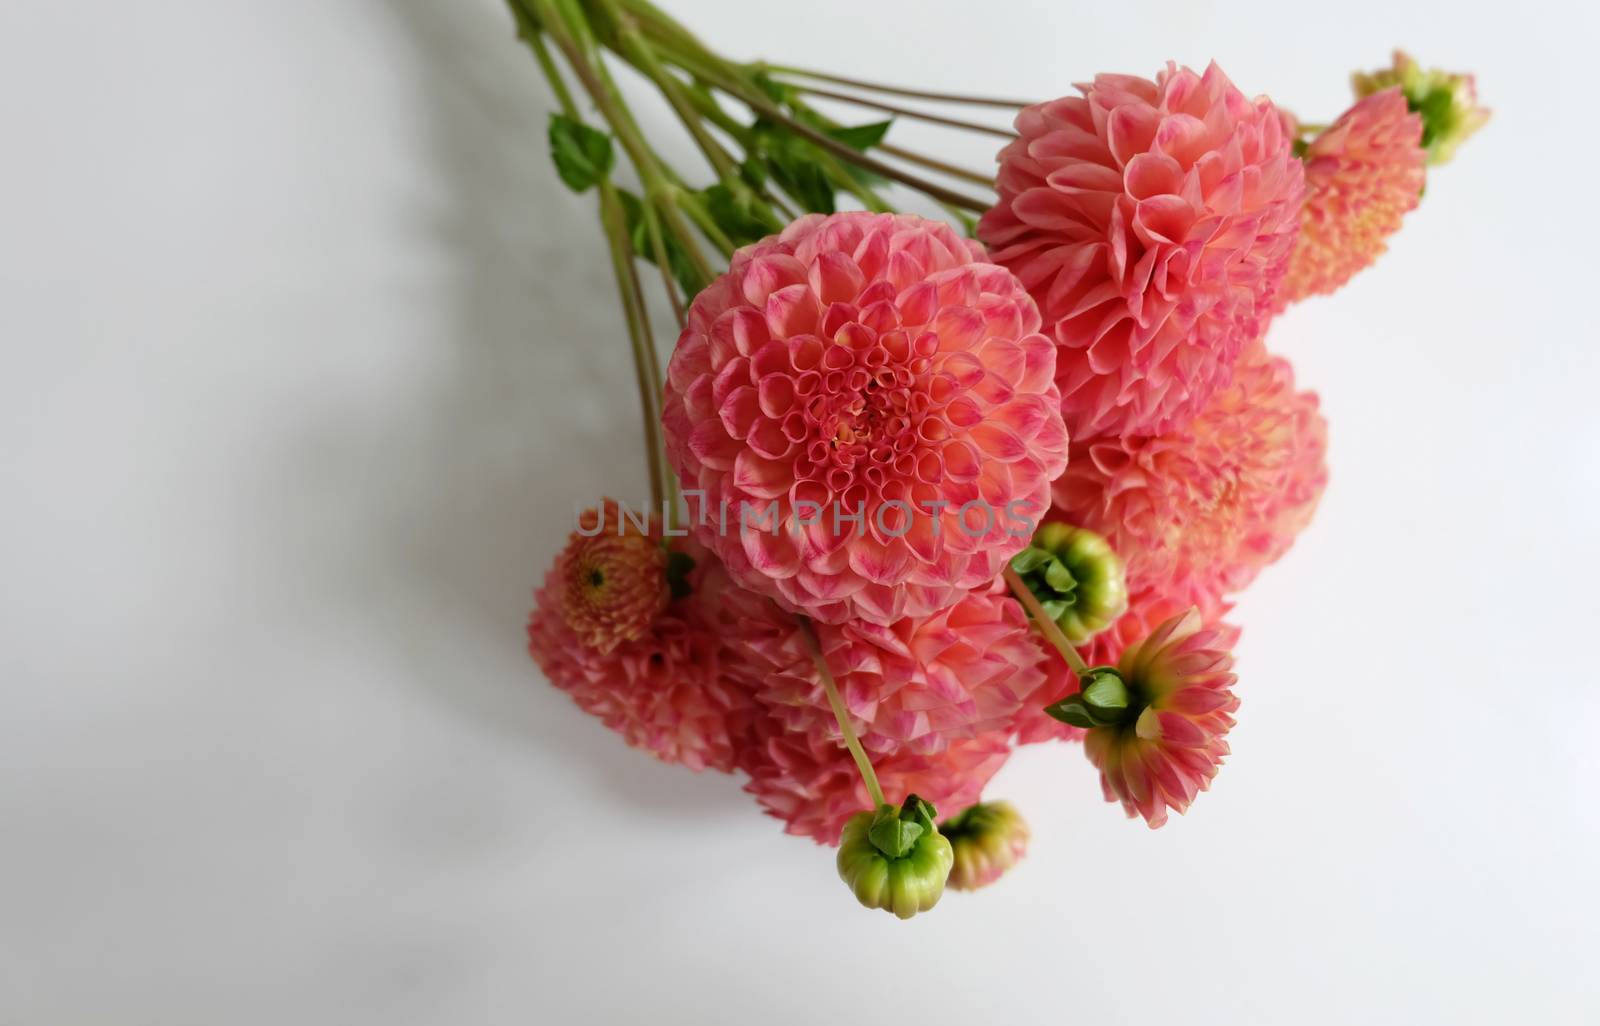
<point x="937" y="165"/>
<point x="907" y="112"/>
<point x="840" y="713"/>
<point x="658" y="248"/>
<point x="1047" y="626"/>
<point x="874" y="87"/>
<point x="659" y="188"/>
<point x="678" y="47"/>
<point x="646" y="369"/>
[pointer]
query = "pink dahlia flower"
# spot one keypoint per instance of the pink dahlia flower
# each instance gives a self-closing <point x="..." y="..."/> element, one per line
<point x="919" y="684"/>
<point x="614" y="579"/>
<point x="1363" y="175"/>
<point x="1197" y="511"/>
<point x="1170" y="744"/>
<point x="870" y="414"/>
<point x="1147" y="608"/>
<point x="665" y="688"/>
<point x="811" y="783"/>
<point x="1153" y="222"/>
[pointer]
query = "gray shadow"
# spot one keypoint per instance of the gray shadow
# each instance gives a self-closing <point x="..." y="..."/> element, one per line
<point x="533" y="414"/>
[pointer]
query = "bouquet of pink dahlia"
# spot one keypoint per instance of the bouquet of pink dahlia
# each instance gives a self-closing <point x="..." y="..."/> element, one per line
<point x="925" y="490"/>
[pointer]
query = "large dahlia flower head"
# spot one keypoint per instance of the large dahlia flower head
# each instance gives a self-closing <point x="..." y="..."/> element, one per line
<point x="872" y="364"/>
<point x="1153" y="222"/>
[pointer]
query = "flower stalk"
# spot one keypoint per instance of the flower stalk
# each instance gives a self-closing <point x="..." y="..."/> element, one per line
<point x="841" y="714"/>
<point x="1047" y="626"/>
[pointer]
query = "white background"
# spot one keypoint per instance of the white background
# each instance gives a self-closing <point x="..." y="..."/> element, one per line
<point x="308" y="357"/>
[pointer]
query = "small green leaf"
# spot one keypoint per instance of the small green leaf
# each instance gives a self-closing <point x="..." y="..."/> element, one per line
<point x="1059" y="577"/>
<point x="582" y="155"/>
<point x="1072" y="711"/>
<point x="1055" y="608"/>
<point x="1029" y="560"/>
<point x="1104" y="694"/>
<point x="795" y="164"/>
<point x="739" y="215"/>
<point x="893" y="835"/>
<point x="639" y="234"/>
<point x="861" y="137"/>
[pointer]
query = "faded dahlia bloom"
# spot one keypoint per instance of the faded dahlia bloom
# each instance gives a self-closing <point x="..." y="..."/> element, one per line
<point x="664" y="689"/>
<point x="988" y="839"/>
<point x="1362" y="176"/>
<point x="812" y="784"/>
<point x="615" y="579"/>
<point x="917" y="685"/>
<point x="1147" y="608"/>
<point x="869" y="411"/>
<point x="1153" y="222"/>
<point x="1447" y="102"/>
<point x="1196" y="512"/>
<point x="1168" y="743"/>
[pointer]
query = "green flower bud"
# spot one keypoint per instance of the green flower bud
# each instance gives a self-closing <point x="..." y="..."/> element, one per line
<point x="988" y="838"/>
<point x="1076" y="577"/>
<point x="895" y="859"/>
<point x="1447" y="102"/>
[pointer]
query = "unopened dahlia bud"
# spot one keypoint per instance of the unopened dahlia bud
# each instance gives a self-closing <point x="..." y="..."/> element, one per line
<point x="988" y="839"/>
<point x="1078" y="580"/>
<point x="1448" y="102"/>
<point x="614" y="579"/>
<point x="896" y="859"/>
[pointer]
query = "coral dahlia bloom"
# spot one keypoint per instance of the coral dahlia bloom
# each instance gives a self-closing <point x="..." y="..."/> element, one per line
<point x="1153" y="222"/>
<point x="919" y="684"/>
<point x="1197" y="511"/>
<point x="1362" y="176"/>
<point x="812" y="784"/>
<point x="665" y="688"/>
<point x="1147" y="608"/>
<point x="880" y="392"/>
<point x="614" y="579"/>
<point x="1170" y="745"/>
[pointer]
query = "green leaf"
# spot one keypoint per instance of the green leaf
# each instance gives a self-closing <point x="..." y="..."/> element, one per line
<point x="891" y="834"/>
<point x="795" y="164"/>
<point x="1059" y="577"/>
<point x="582" y="155"/>
<point x="861" y="137"/>
<point x="1054" y="608"/>
<point x="1072" y="710"/>
<point x="740" y="216"/>
<point x="1029" y="560"/>
<point x="1104" y="694"/>
<point x="678" y="261"/>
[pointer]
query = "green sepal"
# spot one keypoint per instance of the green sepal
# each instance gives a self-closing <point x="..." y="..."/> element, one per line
<point x="1030" y="559"/>
<point x="1072" y="711"/>
<point x="895" y="832"/>
<point x="1104" y="694"/>
<point x="1058" y="576"/>
<point x="582" y="155"/>
<point x="679" y="566"/>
